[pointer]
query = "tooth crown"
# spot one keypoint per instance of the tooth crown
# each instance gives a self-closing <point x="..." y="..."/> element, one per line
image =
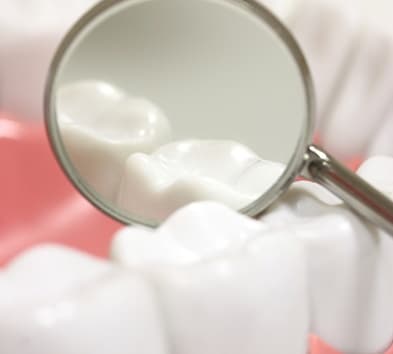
<point x="80" y="305"/>
<point x="347" y="264"/>
<point x="30" y="30"/>
<point x="101" y="126"/>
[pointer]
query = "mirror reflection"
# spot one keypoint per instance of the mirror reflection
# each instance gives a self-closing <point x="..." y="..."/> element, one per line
<point x="161" y="103"/>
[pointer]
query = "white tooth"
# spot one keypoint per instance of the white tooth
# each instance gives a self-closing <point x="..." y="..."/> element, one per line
<point x="54" y="300"/>
<point x="101" y="127"/>
<point x="30" y="30"/>
<point x="136" y="247"/>
<point x="382" y="141"/>
<point x="182" y="172"/>
<point x="326" y="32"/>
<point x="364" y="98"/>
<point x="350" y="271"/>
<point x="378" y="171"/>
<point x="236" y="305"/>
<point x="304" y="198"/>
<point x="184" y="238"/>
<point x="230" y="303"/>
<point x="281" y="8"/>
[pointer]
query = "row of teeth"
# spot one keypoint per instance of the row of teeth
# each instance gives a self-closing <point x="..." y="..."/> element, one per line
<point x="203" y="281"/>
<point x="211" y="281"/>
<point x="350" y="61"/>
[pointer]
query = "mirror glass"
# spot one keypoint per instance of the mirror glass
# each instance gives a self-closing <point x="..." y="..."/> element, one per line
<point x="159" y="103"/>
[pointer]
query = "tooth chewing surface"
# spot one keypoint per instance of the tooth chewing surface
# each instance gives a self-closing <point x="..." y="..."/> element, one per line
<point x="178" y="173"/>
<point x="348" y="275"/>
<point x="54" y="300"/>
<point x="101" y="126"/>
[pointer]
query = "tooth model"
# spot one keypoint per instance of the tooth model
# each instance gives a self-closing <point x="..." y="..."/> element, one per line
<point x="229" y="284"/>
<point x="210" y="280"/>
<point x="350" y="54"/>
<point x="30" y="31"/>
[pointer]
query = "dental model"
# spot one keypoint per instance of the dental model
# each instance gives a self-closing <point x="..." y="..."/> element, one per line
<point x="210" y="280"/>
<point x="360" y="296"/>
<point x="350" y="56"/>
<point x="108" y="137"/>
<point x="30" y="31"/>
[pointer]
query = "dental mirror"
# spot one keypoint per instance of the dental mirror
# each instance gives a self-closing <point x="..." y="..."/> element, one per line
<point x="154" y="104"/>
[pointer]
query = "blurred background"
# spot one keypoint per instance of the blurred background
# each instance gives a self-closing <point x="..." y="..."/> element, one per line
<point x="349" y="47"/>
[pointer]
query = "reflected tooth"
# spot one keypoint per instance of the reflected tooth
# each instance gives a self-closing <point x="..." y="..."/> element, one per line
<point x="101" y="127"/>
<point x="364" y="98"/>
<point x="187" y="171"/>
<point x="230" y="303"/>
<point x="326" y="33"/>
<point x="30" y="31"/>
<point x="54" y="300"/>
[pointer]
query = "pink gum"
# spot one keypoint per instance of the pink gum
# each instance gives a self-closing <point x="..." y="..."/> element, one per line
<point x="317" y="346"/>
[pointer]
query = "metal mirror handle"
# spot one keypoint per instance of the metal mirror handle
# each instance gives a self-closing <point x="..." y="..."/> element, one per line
<point x="364" y="199"/>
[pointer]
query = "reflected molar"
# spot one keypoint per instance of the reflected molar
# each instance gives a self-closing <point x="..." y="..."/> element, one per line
<point x="30" y="31"/>
<point x="194" y="170"/>
<point x="55" y="300"/>
<point x="223" y="299"/>
<point x="101" y="126"/>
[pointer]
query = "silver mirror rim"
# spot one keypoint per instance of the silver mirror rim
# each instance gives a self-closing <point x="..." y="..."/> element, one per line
<point x="293" y="169"/>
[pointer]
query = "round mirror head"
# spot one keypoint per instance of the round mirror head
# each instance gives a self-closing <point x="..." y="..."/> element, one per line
<point x="153" y="104"/>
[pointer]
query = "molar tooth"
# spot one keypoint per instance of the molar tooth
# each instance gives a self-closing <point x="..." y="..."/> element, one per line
<point x="351" y="286"/>
<point x="54" y="300"/>
<point x="235" y="305"/>
<point x="183" y="239"/>
<point x="326" y="32"/>
<point x="30" y="30"/>
<point x="282" y="8"/>
<point x="101" y="127"/>
<point x="378" y="171"/>
<point x="230" y="302"/>
<point x="364" y="98"/>
<point x="304" y="200"/>
<point x="187" y="171"/>
<point x="382" y="141"/>
<point x="350" y="265"/>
